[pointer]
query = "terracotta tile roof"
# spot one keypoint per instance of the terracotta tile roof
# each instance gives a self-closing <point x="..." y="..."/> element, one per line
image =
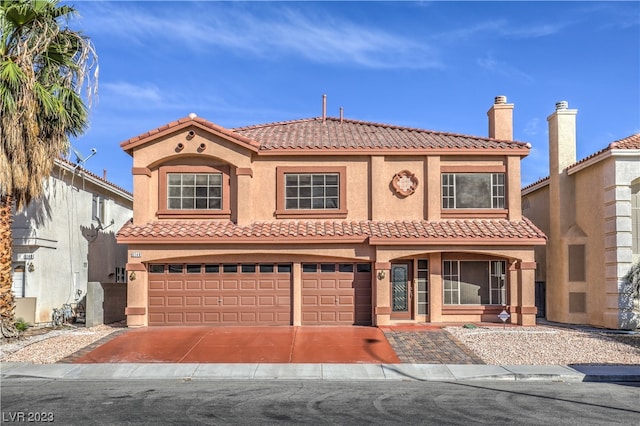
<point x="630" y="142"/>
<point x="448" y="231"/>
<point x="333" y="133"/>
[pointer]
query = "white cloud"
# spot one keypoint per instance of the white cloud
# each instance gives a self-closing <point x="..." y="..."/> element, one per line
<point x="319" y="38"/>
<point x="137" y="93"/>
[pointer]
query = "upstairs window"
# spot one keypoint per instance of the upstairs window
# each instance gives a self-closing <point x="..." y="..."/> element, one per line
<point x="311" y="192"/>
<point x="473" y="191"/>
<point x="194" y="191"/>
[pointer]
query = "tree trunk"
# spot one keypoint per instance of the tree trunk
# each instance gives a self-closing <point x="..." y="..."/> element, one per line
<point x="7" y="305"/>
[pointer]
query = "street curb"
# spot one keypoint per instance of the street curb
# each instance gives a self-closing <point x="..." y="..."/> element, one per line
<point x="394" y="372"/>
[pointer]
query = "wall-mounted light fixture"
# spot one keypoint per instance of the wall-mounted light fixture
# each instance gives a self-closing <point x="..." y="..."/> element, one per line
<point x="132" y="276"/>
<point x="381" y="275"/>
<point x="31" y="268"/>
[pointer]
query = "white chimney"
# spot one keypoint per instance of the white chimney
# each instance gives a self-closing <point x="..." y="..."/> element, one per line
<point x="501" y="119"/>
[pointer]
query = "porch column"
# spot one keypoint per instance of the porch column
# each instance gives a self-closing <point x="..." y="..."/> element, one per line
<point x="526" y="293"/>
<point x="296" y="299"/>
<point x="514" y="300"/>
<point x="435" y="287"/>
<point x="381" y="281"/>
<point x="137" y="295"/>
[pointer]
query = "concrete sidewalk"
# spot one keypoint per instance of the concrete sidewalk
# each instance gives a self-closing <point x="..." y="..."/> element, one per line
<point x="419" y="372"/>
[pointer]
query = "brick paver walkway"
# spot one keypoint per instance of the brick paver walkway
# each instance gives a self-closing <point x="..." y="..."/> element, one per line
<point x="429" y="347"/>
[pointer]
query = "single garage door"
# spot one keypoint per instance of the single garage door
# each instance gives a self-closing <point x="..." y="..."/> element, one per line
<point x="336" y="293"/>
<point x="220" y="294"/>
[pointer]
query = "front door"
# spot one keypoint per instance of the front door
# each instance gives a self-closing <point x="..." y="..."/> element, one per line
<point x="401" y="290"/>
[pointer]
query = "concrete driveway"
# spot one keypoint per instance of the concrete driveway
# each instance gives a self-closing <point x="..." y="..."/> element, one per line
<point x="245" y="345"/>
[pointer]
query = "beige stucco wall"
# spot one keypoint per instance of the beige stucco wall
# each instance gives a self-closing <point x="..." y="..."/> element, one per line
<point x="66" y="246"/>
<point x="596" y="204"/>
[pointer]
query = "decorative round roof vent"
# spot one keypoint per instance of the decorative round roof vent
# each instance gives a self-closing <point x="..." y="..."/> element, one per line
<point x="404" y="183"/>
<point x="500" y="100"/>
<point x="192" y="115"/>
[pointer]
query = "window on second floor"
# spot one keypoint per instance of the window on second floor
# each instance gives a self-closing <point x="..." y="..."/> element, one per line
<point x="473" y="191"/>
<point x="311" y="192"/>
<point x="199" y="191"/>
<point x="194" y="191"/>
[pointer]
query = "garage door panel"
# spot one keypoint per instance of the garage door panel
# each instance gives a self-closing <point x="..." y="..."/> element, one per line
<point x="248" y="284"/>
<point x="193" y="318"/>
<point x="248" y="301"/>
<point x="334" y="298"/>
<point x="309" y="284"/>
<point x="192" y="301"/>
<point x="212" y="285"/>
<point x="230" y="284"/>
<point x="156" y="285"/>
<point x="328" y="300"/>
<point x="211" y="317"/>
<point x="266" y="284"/>
<point x="157" y="301"/>
<point x="228" y="299"/>
<point x="193" y="285"/>
<point x="174" y="301"/>
<point x="175" y="318"/>
<point x="174" y="285"/>
<point x="210" y="301"/>
<point x="328" y="283"/>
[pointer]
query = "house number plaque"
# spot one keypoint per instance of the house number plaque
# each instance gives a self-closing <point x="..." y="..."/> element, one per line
<point x="404" y="183"/>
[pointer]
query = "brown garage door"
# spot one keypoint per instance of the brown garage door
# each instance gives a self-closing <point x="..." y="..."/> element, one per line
<point x="336" y="294"/>
<point x="220" y="294"/>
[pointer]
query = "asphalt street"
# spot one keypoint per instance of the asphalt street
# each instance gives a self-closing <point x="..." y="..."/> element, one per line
<point x="163" y="402"/>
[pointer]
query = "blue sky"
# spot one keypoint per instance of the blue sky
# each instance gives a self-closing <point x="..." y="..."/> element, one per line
<point x="433" y="65"/>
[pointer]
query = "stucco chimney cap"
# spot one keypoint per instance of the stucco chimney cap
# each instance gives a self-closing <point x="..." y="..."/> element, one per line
<point x="562" y="105"/>
<point x="192" y="115"/>
<point x="500" y="100"/>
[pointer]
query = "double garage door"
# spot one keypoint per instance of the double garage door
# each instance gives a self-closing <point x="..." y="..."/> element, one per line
<point x="258" y="294"/>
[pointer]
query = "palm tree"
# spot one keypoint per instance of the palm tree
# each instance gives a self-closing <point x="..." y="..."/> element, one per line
<point x="43" y="67"/>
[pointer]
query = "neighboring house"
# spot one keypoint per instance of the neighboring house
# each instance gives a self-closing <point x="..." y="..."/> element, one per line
<point x="590" y="211"/>
<point x="328" y="221"/>
<point x="66" y="239"/>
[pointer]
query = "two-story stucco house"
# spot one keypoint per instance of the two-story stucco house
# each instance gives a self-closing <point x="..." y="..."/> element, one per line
<point x="328" y="221"/>
<point x="590" y="210"/>
<point x="66" y="239"/>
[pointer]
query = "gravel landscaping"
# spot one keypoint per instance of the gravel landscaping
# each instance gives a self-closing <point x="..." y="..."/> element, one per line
<point x="542" y="345"/>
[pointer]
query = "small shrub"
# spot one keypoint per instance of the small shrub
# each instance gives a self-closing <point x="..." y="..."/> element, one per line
<point x="21" y="325"/>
